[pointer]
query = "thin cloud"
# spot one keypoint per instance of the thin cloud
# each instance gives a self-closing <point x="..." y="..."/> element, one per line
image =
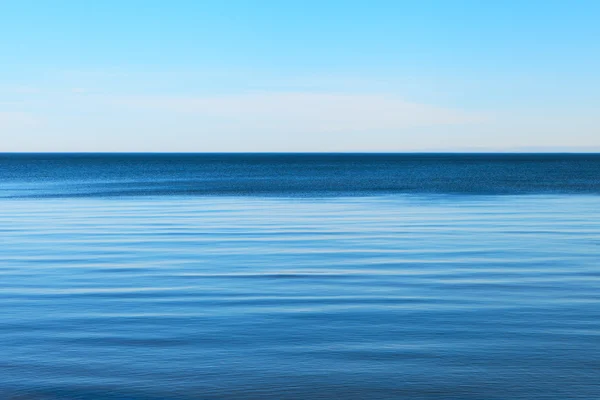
<point x="305" y="112"/>
<point x="12" y="120"/>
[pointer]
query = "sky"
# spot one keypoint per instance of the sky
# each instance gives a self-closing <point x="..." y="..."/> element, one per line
<point x="299" y="76"/>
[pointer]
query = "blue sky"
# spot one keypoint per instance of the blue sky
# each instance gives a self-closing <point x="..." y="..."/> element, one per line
<point x="299" y="75"/>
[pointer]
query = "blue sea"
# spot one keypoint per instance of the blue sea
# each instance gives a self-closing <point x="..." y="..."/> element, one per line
<point x="299" y="276"/>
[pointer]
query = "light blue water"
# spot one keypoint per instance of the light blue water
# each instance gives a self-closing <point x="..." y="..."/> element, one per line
<point x="382" y="296"/>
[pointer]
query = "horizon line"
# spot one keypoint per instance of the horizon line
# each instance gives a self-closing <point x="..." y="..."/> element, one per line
<point x="593" y="152"/>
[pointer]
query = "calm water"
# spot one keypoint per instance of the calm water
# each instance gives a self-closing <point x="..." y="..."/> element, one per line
<point x="299" y="277"/>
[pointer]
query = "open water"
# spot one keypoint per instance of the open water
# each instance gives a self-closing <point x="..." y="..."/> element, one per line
<point x="273" y="276"/>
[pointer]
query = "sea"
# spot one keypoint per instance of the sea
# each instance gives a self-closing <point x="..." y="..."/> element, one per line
<point x="299" y="276"/>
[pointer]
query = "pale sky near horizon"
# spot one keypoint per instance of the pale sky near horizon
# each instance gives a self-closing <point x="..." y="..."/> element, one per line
<point x="201" y="76"/>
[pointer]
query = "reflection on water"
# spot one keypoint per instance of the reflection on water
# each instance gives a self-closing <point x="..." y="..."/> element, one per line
<point x="414" y="296"/>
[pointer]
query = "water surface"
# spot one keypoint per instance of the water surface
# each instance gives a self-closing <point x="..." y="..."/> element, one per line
<point x="299" y="277"/>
